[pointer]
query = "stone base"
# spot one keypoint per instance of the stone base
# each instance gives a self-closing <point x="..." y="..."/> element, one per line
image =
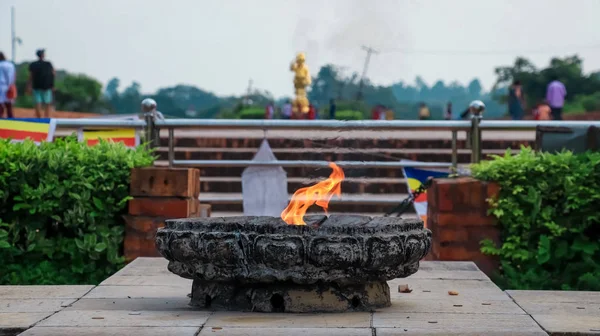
<point x="290" y="297"/>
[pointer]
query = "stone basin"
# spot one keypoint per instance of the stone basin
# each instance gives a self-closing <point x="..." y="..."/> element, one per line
<point x="335" y="263"/>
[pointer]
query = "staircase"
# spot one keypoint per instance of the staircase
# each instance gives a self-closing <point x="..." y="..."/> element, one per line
<point x="371" y="191"/>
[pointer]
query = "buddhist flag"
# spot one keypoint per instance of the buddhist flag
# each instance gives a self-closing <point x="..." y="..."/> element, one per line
<point x="416" y="177"/>
<point x="128" y="137"/>
<point x="20" y="129"/>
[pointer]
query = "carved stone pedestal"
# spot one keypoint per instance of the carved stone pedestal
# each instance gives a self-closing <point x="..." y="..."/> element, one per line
<point x="338" y="263"/>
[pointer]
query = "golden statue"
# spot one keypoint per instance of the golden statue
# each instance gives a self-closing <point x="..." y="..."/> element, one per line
<point x="301" y="81"/>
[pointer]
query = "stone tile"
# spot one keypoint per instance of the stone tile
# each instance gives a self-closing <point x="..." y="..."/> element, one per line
<point x="260" y="320"/>
<point x="448" y="266"/>
<point x="569" y="324"/>
<point x="227" y="331"/>
<point x="450" y="275"/>
<point x="129" y="292"/>
<point x="438" y="289"/>
<point x="33" y="305"/>
<point x="452" y="305"/>
<point x="111" y="331"/>
<point x="554" y="296"/>
<point x="124" y="318"/>
<point x="457" y="323"/>
<point x="147" y="280"/>
<point x="172" y="304"/>
<point x="21" y="320"/>
<point x="562" y="312"/>
<point x="416" y="332"/>
<point x="43" y="292"/>
<point x="561" y="308"/>
<point x="146" y="266"/>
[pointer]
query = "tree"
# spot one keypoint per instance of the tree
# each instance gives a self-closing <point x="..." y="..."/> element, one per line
<point x="569" y="70"/>
<point x="475" y="88"/>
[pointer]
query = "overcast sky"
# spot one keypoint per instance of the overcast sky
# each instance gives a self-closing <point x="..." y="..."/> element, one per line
<point x="218" y="45"/>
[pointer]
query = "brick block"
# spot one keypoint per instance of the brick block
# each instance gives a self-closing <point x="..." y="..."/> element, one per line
<point x="468" y="237"/>
<point x="168" y="207"/>
<point x="493" y="190"/>
<point x="460" y="219"/>
<point x="165" y="182"/>
<point x="140" y="232"/>
<point x="468" y="193"/>
<point x="442" y="193"/>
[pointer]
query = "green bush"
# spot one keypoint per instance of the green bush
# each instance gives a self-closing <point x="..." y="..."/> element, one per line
<point x="549" y="219"/>
<point x="348" y="115"/>
<point x="60" y="210"/>
<point x="252" y="113"/>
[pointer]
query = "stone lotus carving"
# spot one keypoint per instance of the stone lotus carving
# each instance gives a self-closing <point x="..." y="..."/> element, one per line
<point x="339" y="249"/>
<point x="335" y="263"/>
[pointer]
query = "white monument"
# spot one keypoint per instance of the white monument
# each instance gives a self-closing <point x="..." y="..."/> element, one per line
<point x="264" y="188"/>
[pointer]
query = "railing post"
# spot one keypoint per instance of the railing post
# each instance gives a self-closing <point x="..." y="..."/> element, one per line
<point x="475" y="139"/>
<point x="454" y="151"/>
<point x="171" y="147"/>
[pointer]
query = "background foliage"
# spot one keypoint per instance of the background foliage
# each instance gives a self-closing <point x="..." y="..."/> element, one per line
<point x="548" y="215"/>
<point x="583" y="90"/>
<point x="78" y="92"/>
<point x="60" y="210"/>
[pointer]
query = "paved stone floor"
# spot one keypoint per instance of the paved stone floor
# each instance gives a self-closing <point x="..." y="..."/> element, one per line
<point x="144" y="298"/>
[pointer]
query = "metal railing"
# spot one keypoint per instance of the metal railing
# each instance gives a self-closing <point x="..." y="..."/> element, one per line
<point x="472" y="127"/>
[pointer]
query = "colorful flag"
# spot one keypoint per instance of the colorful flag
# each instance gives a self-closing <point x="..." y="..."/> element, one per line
<point x="415" y="177"/>
<point x="19" y="129"/>
<point x="129" y="137"/>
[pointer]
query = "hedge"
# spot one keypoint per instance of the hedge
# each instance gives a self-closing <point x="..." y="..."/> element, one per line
<point x="252" y="113"/>
<point x="548" y="213"/>
<point x="60" y="210"/>
<point x="348" y="115"/>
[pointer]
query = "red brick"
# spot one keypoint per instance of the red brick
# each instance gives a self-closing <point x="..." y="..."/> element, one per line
<point x="140" y="233"/>
<point x="444" y="191"/>
<point x="460" y="219"/>
<point x="493" y="190"/>
<point x="456" y="253"/>
<point x="164" y="182"/>
<point x="467" y="237"/>
<point x="452" y="235"/>
<point x="468" y="193"/>
<point x="164" y="207"/>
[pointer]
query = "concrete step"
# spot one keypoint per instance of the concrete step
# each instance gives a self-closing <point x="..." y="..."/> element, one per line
<point x="307" y="172"/>
<point x="342" y="142"/>
<point x="348" y="203"/>
<point x="327" y="154"/>
<point x="349" y="185"/>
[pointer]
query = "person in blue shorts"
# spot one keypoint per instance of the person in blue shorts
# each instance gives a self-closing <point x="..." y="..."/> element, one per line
<point x="41" y="84"/>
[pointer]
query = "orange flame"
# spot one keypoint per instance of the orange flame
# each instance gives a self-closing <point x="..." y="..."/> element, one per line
<point x="319" y="194"/>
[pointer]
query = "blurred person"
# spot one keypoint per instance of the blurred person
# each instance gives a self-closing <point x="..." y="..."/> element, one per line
<point x="383" y="112"/>
<point x="555" y="96"/>
<point x="448" y="111"/>
<point x="542" y="111"/>
<point x="332" y="109"/>
<point x="389" y="114"/>
<point x="376" y="112"/>
<point x="269" y="111"/>
<point x="516" y="100"/>
<point x="424" y="113"/>
<point x="311" y="112"/>
<point x="8" y="89"/>
<point x="286" y="111"/>
<point x="41" y="83"/>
